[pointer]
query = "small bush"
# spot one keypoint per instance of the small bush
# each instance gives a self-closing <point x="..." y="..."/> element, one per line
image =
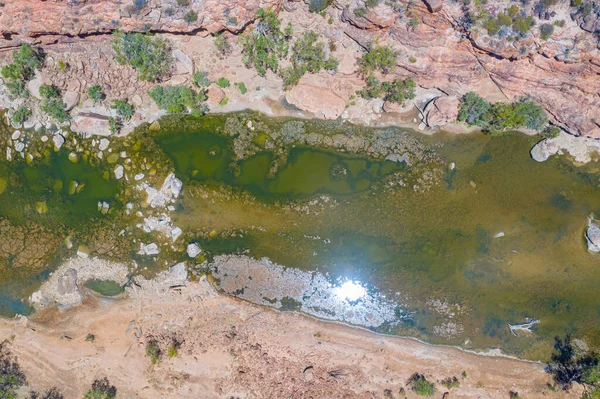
<point x="523" y="24"/>
<point x="151" y="57"/>
<point x="95" y="93"/>
<point x="360" y="12"/>
<point x="114" y="126"/>
<point x="224" y="102"/>
<point x="17" y="88"/>
<point x="378" y="58"/>
<point x="223" y="82"/>
<point x="55" y="108"/>
<point x="183" y="3"/>
<point x="200" y="79"/>
<point x="21" y="114"/>
<point x="371" y="3"/>
<point x="420" y="385"/>
<point x="153" y="351"/>
<point x="178" y="99"/>
<point x="242" y="87"/>
<point x="412" y="59"/>
<point x="49" y="91"/>
<point x="123" y="108"/>
<point x="413" y="23"/>
<point x="172" y="351"/>
<point x="190" y="16"/>
<point x="222" y="45"/>
<point x="576" y="3"/>
<point x="546" y="30"/>
<point x="319" y="5"/>
<point x="90" y="337"/>
<point x="52" y="393"/>
<point x="101" y="389"/>
<point x="451" y="382"/>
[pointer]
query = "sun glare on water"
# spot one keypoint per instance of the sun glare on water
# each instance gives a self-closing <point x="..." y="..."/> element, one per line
<point x="350" y="290"/>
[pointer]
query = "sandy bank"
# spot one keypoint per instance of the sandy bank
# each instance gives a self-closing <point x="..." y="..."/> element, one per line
<point x="230" y="348"/>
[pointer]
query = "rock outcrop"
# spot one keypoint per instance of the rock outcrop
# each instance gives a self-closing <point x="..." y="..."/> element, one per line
<point x="436" y="48"/>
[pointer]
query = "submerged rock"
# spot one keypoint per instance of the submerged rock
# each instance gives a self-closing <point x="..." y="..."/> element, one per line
<point x="150" y="249"/>
<point x="193" y="250"/>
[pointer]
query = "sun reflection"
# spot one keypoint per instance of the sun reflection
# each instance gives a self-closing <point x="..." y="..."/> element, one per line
<point x="350" y="290"/>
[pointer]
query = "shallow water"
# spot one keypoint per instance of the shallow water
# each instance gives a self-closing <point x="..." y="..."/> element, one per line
<point x="421" y="235"/>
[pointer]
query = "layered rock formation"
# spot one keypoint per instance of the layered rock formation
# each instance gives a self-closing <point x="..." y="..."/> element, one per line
<point x="441" y="51"/>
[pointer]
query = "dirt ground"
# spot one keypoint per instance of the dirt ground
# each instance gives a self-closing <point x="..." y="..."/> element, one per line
<point x="228" y="348"/>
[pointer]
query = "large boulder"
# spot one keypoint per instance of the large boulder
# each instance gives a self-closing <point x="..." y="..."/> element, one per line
<point x="543" y="150"/>
<point x="441" y="111"/>
<point x="434" y="5"/>
<point x="71" y="99"/>
<point x="67" y="283"/>
<point x="215" y="94"/>
<point x="320" y="101"/>
<point x="89" y="124"/>
<point x="592" y="236"/>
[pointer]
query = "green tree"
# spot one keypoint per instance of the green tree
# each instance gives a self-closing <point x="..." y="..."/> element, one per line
<point x="11" y="375"/>
<point x="25" y="61"/>
<point x="178" y="99"/>
<point x="420" y="385"/>
<point x="546" y="30"/>
<point x="101" y="389"/>
<point x="473" y="110"/>
<point x="377" y="58"/>
<point x="21" y="114"/>
<point x="264" y="44"/>
<point x="56" y="109"/>
<point x="190" y="16"/>
<point x="151" y="56"/>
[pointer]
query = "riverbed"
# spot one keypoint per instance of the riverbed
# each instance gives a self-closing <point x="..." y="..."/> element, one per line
<point x="458" y="235"/>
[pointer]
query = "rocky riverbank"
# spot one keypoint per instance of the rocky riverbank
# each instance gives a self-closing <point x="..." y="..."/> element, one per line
<point x="230" y="348"/>
<point x="437" y="49"/>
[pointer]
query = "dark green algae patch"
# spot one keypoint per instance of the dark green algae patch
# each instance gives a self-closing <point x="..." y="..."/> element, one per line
<point x="321" y="196"/>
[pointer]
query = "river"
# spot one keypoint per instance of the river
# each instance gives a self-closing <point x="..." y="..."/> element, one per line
<point x="468" y="236"/>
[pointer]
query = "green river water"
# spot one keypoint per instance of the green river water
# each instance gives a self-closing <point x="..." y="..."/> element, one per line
<point x="429" y="243"/>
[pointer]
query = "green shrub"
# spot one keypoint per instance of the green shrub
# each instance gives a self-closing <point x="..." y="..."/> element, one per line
<point x="413" y="23"/>
<point x="95" y="93"/>
<point x="101" y="389"/>
<point x="178" y="99"/>
<point x="183" y="3"/>
<point x="49" y="91"/>
<point x="190" y="16"/>
<point x="52" y="393"/>
<point x="17" y="88"/>
<point x="264" y="44"/>
<point x="25" y="61"/>
<point x="512" y="11"/>
<point x="576" y="3"/>
<point x="450" y="382"/>
<point x="21" y="114"/>
<point x="222" y="45"/>
<point x="11" y="375"/>
<point x="371" y="3"/>
<point x="242" y="87"/>
<point x="535" y="117"/>
<point x="114" y="126"/>
<point x="373" y="89"/>
<point x="412" y="59"/>
<point x="378" y="58"/>
<point x="546" y="30"/>
<point x="172" y="351"/>
<point x="124" y="109"/>
<point x="224" y="102"/>
<point x="55" y="108"/>
<point x="153" y="351"/>
<point x="420" y="385"/>
<point x="151" y="56"/>
<point x="318" y="5"/>
<point x="223" y="82"/>
<point x="523" y="24"/>
<point x="360" y="12"/>
<point x="200" y="79"/>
